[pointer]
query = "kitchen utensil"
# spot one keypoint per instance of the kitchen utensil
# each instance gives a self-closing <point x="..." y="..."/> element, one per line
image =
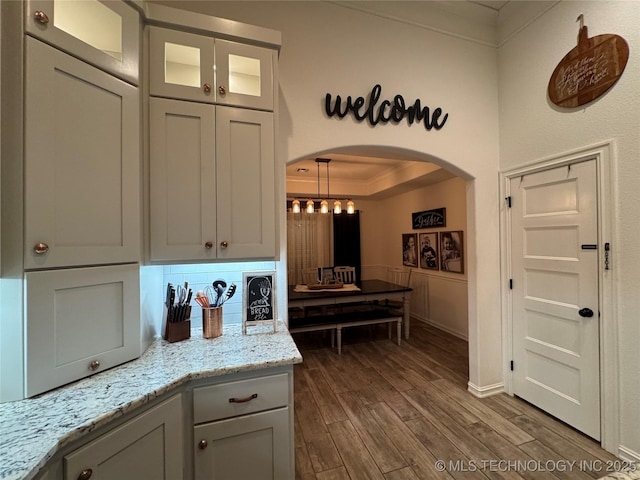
<point x="219" y="286"/>
<point x="230" y="292"/>
<point x="211" y="295"/>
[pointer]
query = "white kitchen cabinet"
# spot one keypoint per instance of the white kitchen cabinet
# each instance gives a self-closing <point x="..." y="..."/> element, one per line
<point x="44" y="475"/>
<point x="82" y="151"/>
<point x="203" y="69"/>
<point x="254" y="446"/>
<point x="80" y="322"/>
<point x="212" y="186"/>
<point x="102" y="33"/>
<point x="148" y="447"/>
<point x="242" y="418"/>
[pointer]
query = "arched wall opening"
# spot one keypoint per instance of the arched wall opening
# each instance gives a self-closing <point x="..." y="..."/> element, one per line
<point x="443" y="299"/>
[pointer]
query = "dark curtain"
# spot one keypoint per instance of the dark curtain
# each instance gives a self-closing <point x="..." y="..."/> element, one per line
<point x="346" y="241"/>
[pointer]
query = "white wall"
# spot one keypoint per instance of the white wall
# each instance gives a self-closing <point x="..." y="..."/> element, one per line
<point x="532" y="129"/>
<point x="439" y="298"/>
<point x="331" y="49"/>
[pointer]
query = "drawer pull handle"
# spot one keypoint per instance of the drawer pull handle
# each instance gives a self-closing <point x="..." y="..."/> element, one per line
<point x="243" y="400"/>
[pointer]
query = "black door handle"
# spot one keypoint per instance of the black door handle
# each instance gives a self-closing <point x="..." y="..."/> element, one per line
<point x="585" y="312"/>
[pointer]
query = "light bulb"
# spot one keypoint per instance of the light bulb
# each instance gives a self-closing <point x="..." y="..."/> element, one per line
<point x="309" y="206"/>
<point x="324" y="206"/>
<point x="351" y="208"/>
<point x="295" y="206"/>
<point x="337" y="207"/>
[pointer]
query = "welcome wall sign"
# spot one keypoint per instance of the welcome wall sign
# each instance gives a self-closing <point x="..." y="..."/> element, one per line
<point x="386" y="111"/>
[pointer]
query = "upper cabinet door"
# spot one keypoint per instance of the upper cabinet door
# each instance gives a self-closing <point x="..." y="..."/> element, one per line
<point x="105" y="34"/>
<point x="182" y="179"/>
<point x="244" y="75"/>
<point x="246" y="183"/>
<point x="82" y="163"/>
<point x="181" y="65"/>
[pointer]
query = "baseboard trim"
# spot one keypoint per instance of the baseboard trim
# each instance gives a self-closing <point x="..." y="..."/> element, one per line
<point x="628" y="454"/>
<point x="487" y="391"/>
<point x="439" y="326"/>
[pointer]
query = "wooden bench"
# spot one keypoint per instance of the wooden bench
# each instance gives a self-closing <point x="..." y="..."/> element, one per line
<point x="336" y="322"/>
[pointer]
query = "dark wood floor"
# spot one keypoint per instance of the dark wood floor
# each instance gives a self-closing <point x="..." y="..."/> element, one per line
<point x="380" y="411"/>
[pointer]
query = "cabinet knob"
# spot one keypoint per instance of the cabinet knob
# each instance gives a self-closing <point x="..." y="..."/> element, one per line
<point x="224" y="244"/>
<point x="202" y="444"/>
<point x="206" y="87"/>
<point x="93" y="366"/>
<point x="85" y="474"/>
<point x="42" y="18"/>
<point x="208" y="245"/>
<point x="222" y="90"/>
<point x="41" y="248"/>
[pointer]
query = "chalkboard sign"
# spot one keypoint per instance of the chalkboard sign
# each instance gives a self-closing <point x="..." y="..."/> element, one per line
<point x="429" y="218"/>
<point x="258" y="299"/>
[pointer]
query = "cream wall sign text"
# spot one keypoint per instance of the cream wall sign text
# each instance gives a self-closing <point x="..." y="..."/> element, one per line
<point x="387" y="111"/>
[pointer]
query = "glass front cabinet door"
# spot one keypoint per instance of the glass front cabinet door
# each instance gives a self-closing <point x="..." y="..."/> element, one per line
<point x="102" y="33"/>
<point x="181" y="65"/>
<point x="203" y="69"/>
<point x="244" y="75"/>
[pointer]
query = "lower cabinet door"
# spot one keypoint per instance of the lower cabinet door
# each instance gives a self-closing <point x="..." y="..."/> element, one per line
<point x="80" y="321"/>
<point x="148" y="447"/>
<point x="255" y="447"/>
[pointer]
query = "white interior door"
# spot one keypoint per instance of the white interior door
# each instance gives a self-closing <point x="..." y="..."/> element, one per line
<point x="555" y="284"/>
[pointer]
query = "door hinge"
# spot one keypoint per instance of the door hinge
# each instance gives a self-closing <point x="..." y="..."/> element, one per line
<point x="511" y="284"/>
<point x="508" y="199"/>
<point x="511" y="365"/>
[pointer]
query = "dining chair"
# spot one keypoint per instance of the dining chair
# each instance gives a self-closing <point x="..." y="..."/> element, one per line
<point x="399" y="276"/>
<point x="309" y="276"/>
<point x="345" y="274"/>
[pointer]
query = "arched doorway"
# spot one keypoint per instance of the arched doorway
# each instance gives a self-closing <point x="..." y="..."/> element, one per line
<point x="412" y="182"/>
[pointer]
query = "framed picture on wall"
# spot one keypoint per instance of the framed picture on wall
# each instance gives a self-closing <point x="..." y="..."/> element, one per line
<point x="410" y="249"/>
<point x="451" y="252"/>
<point x="428" y="250"/>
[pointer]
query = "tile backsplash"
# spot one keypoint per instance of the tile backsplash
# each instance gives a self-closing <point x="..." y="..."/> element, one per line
<point x="202" y="275"/>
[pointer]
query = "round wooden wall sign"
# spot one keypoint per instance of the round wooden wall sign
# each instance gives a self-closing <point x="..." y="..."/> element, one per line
<point x="589" y="70"/>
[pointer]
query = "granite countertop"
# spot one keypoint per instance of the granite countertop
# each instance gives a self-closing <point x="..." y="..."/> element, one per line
<point x="32" y="430"/>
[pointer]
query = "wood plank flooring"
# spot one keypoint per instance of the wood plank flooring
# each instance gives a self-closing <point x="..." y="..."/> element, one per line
<point x="388" y="412"/>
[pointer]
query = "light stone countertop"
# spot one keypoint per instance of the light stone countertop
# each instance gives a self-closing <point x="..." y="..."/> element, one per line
<point x="33" y="430"/>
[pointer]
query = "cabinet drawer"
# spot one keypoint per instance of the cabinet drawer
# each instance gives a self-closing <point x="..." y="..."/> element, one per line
<point x="249" y="396"/>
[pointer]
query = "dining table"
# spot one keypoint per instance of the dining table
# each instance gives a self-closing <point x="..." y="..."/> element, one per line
<point x="371" y="290"/>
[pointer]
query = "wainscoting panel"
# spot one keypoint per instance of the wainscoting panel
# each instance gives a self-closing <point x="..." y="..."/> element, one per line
<point x="439" y="299"/>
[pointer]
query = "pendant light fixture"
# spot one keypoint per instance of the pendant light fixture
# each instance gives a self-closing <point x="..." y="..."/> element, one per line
<point x="324" y="203"/>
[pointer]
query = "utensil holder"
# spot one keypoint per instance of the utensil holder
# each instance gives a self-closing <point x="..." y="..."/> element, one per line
<point x="212" y="322"/>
